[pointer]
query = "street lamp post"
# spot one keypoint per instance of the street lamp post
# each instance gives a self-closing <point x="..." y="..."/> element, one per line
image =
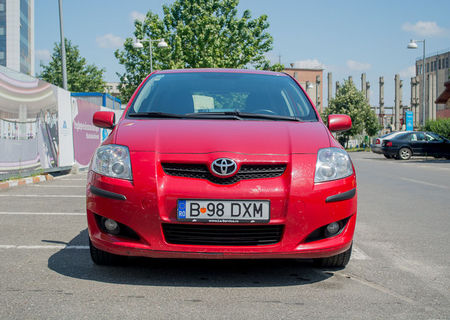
<point x="413" y="45"/>
<point x="161" y="44"/>
<point x="63" y="47"/>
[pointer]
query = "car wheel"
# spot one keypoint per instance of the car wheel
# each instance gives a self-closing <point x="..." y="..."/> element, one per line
<point x="337" y="261"/>
<point x="387" y="156"/>
<point x="404" y="153"/>
<point x="104" y="258"/>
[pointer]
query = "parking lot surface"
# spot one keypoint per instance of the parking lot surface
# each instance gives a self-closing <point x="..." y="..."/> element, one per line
<point x="399" y="268"/>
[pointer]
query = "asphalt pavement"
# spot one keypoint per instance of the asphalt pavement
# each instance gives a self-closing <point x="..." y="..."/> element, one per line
<point x="399" y="268"/>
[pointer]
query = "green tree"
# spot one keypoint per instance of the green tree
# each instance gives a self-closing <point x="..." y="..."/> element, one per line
<point x="200" y="34"/>
<point x="352" y="102"/>
<point x="81" y="77"/>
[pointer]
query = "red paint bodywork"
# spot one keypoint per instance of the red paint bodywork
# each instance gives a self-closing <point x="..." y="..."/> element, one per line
<point x="339" y="122"/>
<point x="296" y="201"/>
<point x="104" y="119"/>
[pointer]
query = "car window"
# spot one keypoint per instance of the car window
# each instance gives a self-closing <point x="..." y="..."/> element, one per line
<point x="201" y="92"/>
<point x="430" y="136"/>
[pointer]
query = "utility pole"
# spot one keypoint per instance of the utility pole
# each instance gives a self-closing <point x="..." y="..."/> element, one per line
<point x="63" y="47"/>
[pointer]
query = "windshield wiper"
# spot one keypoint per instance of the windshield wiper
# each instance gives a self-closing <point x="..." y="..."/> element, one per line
<point x="155" y="114"/>
<point x="240" y="115"/>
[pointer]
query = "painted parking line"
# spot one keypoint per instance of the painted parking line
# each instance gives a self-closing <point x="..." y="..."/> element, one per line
<point x="425" y="183"/>
<point x="41" y="196"/>
<point x="11" y="213"/>
<point x="55" y="186"/>
<point x="358" y="254"/>
<point x="7" y="246"/>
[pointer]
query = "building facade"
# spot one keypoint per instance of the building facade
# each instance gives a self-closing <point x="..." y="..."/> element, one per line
<point x="17" y="35"/>
<point x="437" y="73"/>
<point x="312" y="81"/>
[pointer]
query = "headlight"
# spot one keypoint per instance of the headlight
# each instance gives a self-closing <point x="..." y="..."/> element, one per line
<point x="113" y="161"/>
<point x="332" y="164"/>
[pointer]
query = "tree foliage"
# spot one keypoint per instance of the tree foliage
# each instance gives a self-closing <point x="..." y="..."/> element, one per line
<point x="200" y="34"/>
<point x="439" y="126"/>
<point x="353" y="103"/>
<point x="81" y="77"/>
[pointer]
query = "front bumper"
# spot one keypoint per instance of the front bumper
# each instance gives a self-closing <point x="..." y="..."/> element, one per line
<point x="301" y="207"/>
<point x="376" y="149"/>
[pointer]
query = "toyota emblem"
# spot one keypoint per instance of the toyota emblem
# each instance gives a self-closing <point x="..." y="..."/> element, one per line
<point x="223" y="167"/>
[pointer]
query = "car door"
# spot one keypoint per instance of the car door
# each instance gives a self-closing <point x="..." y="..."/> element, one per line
<point x="418" y="143"/>
<point x="436" y="145"/>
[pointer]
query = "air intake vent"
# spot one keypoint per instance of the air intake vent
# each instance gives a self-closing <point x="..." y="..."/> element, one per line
<point x="222" y="235"/>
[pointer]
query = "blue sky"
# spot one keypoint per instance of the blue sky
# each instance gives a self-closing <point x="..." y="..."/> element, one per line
<point x="344" y="37"/>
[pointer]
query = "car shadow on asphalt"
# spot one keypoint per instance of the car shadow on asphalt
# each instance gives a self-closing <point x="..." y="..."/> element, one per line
<point x="77" y="263"/>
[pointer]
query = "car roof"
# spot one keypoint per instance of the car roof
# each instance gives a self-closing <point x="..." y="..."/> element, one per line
<point x="205" y="70"/>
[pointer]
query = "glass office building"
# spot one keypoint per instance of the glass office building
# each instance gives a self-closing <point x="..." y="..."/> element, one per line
<point x="17" y="35"/>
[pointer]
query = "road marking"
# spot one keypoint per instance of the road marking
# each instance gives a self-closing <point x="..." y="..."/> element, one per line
<point x="358" y="254"/>
<point x="6" y="246"/>
<point x="375" y="286"/>
<point x="42" y="196"/>
<point x="44" y="213"/>
<point x="55" y="186"/>
<point x="425" y="183"/>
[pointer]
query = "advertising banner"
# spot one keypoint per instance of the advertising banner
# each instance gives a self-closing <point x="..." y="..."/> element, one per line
<point x="29" y="135"/>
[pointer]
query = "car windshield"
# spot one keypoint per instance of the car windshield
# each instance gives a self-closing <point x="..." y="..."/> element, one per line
<point x="222" y="95"/>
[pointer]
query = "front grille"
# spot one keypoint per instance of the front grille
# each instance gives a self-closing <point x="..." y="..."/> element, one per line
<point x="222" y="235"/>
<point x="246" y="172"/>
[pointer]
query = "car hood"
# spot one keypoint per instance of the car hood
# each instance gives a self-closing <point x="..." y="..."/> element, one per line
<point x="206" y="136"/>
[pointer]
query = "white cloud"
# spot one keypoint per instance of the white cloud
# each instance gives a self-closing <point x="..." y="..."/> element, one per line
<point x="424" y="28"/>
<point x="109" y="41"/>
<point x="309" y="64"/>
<point x="358" y="66"/>
<point x="136" y="15"/>
<point x="408" y="72"/>
<point x="43" y="55"/>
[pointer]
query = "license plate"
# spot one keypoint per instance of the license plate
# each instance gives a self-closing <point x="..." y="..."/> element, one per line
<point x="234" y="211"/>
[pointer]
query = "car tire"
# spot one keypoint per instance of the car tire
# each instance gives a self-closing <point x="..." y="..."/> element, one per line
<point x="104" y="258"/>
<point x="404" y="154"/>
<point x="387" y="156"/>
<point x="337" y="261"/>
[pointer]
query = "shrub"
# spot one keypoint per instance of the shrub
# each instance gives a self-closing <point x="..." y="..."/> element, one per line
<point x="439" y="126"/>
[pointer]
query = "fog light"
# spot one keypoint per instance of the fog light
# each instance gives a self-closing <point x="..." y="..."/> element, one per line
<point x="111" y="226"/>
<point x="332" y="228"/>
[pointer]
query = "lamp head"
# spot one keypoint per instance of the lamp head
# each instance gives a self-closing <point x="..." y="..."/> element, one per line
<point x="138" y="44"/>
<point x="412" y="44"/>
<point x="162" y="44"/>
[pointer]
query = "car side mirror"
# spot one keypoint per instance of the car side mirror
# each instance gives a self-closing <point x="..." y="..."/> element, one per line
<point x="104" y="119"/>
<point x="339" y="122"/>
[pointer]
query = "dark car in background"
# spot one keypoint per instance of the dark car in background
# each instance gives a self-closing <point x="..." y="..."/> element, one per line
<point x="416" y="143"/>
<point x="376" y="147"/>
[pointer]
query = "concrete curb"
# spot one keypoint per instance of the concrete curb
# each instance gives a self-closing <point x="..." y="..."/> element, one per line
<point x="24" y="181"/>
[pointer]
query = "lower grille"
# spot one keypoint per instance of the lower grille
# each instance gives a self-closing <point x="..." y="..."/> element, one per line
<point x="222" y="235"/>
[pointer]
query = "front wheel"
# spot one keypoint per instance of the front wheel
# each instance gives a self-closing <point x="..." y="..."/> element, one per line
<point x="404" y="153"/>
<point x="337" y="261"/>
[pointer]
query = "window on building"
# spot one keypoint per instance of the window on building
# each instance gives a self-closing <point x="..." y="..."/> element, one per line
<point x="428" y="67"/>
<point x="2" y="55"/>
<point x="446" y="62"/>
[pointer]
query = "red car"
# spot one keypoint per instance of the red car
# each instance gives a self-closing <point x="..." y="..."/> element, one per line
<point x="221" y="164"/>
